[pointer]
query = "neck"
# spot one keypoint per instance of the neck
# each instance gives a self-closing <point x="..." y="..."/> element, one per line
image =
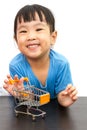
<point x="40" y="68"/>
<point x="40" y="62"/>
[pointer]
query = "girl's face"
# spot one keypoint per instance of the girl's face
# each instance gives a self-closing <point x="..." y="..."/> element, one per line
<point x="34" y="39"/>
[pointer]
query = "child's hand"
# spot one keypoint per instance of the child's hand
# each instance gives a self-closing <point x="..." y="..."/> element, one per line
<point x="68" y="96"/>
<point x="9" y="84"/>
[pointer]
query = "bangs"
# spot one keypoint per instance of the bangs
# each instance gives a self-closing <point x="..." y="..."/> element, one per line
<point x="30" y="14"/>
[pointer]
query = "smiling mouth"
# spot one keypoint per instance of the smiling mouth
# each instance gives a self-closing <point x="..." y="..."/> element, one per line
<point x="33" y="46"/>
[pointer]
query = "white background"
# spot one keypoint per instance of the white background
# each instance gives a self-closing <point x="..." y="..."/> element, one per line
<point x="71" y="24"/>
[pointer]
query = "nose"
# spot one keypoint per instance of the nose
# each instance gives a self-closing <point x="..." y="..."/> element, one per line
<point x="31" y="35"/>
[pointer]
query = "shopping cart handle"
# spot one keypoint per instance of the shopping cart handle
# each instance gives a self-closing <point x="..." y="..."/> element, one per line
<point x="12" y="81"/>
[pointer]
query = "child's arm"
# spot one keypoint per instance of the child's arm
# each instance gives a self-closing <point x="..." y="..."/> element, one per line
<point x="67" y="96"/>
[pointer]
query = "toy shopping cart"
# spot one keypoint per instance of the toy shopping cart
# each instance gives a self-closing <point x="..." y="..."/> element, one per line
<point x="31" y="98"/>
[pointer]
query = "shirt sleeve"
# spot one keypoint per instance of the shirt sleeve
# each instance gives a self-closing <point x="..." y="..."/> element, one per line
<point x="15" y="70"/>
<point x="63" y="77"/>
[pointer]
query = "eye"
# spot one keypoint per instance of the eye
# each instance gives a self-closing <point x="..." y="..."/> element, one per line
<point x="39" y="29"/>
<point x="23" y="31"/>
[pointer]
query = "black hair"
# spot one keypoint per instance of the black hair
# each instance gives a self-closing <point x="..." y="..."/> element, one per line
<point x="27" y="13"/>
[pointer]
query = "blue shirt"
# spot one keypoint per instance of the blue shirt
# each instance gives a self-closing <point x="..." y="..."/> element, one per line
<point x="59" y="74"/>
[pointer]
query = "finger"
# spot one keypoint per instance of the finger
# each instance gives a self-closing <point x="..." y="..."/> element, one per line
<point x="73" y="94"/>
<point x="10" y="80"/>
<point x="75" y="98"/>
<point x="69" y="86"/>
<point x="6" y="81"/>
<point x="8" y="88"/>
<point x="9" y="77"/>
<point x="64" y="92"/>
<point x="5" y="86"/>
<point x="16" y="77"/>
<point x="72" y="90"/>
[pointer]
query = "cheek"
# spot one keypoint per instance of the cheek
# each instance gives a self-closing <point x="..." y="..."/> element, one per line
<point x="45" y="37"/>
<point x="20" y="40"/>
<point x="48" y="40"/>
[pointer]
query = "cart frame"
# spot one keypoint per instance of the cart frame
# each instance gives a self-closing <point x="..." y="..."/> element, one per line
<point x="32" y="97"/>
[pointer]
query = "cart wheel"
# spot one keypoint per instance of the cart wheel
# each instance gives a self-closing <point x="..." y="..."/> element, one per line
<point x="33" y="118"/>
<point x="16" y="114"/>
<point x="43" y="116"/>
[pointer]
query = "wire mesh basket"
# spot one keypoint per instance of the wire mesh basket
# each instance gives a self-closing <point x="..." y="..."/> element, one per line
<point x="31" y="97"/>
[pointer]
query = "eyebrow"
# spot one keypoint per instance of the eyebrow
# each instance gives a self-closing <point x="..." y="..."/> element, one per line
<point x="40" y="23"/>
<point x="36" y="24"/>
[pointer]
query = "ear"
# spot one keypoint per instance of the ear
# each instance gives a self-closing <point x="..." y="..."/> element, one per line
<point x="53" y="37"/>
<point x="15" y="38"/>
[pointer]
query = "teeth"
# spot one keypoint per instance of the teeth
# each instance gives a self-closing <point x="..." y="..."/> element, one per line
<point x="32" y="46"/>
